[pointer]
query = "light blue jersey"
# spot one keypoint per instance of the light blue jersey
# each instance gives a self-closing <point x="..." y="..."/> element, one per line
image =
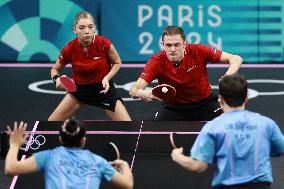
<point x="72" y="168"/>
<point x="240" y="143"/>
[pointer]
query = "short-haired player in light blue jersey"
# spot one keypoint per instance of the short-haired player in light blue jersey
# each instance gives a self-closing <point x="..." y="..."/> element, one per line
<point x="239" y="142"/>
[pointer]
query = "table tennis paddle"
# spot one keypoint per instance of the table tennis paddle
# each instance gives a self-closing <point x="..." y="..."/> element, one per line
<point x="111" y="152"/>
<point x="172" y="140"/>
<point x="164" y="91"/>
<point x="68" y="83"/>
<point x="176" y="140"/>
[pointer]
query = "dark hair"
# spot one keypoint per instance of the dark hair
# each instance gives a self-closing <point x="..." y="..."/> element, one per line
<point x="71" y="132"/>
<point x="173" y="30"/>
<point x="233" y="88"/>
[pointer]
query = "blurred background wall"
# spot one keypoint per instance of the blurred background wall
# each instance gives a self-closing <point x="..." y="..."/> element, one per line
<point x="36" y="30"/>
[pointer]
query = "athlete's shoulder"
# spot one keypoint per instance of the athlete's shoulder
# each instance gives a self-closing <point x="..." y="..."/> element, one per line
<point x="102" y="39"/>
<point x="217" y="123"/>
<point x="102" y="43"/>
<point x="260" y="119"/>
<point x="97" y="158"/>
<point x="196" y="46"/>
<point x="264" y="117"/>
<point x="256" y="115"/>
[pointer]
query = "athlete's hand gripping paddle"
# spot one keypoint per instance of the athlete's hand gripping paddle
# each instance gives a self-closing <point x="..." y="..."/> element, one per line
<point x="68" y="83"/>
<point x="164" y="91"/>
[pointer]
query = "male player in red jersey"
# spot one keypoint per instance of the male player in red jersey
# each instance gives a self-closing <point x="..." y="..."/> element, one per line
<point x="183" y="66"/>
<point x="94" y="62"/>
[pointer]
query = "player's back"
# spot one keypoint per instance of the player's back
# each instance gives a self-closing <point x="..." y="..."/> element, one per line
<point x="242" y="141"/>
<point x="72" y="168"/>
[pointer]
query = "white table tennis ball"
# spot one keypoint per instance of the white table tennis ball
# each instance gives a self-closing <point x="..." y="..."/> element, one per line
<point x="164" y="89"/>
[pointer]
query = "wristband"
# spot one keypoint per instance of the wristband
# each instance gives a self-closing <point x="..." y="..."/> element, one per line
<point x="54" y="78"/>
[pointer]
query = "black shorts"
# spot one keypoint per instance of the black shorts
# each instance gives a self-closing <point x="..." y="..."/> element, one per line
<point x="90" y="94"/>
<point x="203" y="110"/>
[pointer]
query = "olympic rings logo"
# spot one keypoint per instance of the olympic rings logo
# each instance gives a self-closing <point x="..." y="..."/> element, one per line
<point x="35" y="142"/>
<point x="37" y="87"/>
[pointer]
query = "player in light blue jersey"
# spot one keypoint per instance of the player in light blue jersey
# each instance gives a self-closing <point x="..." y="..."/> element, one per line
<point x="239" y="142"/>
<point x="67" y="166"/>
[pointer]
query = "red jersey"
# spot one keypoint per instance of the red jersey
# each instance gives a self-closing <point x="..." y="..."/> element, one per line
<point x="190" y="78"/>
<point x="88" y="67"/>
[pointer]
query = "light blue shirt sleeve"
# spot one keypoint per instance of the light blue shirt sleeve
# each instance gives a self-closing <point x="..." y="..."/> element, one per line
<point x="204" y="146"/>
<point x="276" y="140"/>
<point x="41" y="159"/>
<point x="107" y="170"/>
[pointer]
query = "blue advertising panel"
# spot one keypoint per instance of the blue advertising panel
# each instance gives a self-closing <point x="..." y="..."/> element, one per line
<point x="36" y="30"/>
<point x="252" y="29"/>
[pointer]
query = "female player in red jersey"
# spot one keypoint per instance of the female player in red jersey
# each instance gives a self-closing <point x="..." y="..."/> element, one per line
<point x="94" y="62"/>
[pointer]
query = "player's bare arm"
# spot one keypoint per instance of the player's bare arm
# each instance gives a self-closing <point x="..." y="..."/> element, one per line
<point x="125" y="179"/>
<point x="235" y="62"/>
<point x="188" y="162"/>
<point x="55" y="73"/>
<point x="12" y="165"/>
<point x="138" y="90"/>
<point x="115" y="60"/>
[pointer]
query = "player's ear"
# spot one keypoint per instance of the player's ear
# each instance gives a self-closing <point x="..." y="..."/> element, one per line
<point x="221" y="100"/>
<point x="162" y="42"/>
<point x="184" y="44"/>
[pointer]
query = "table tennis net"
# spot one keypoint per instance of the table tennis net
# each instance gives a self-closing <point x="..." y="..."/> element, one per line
<point x="154" y="137"/>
